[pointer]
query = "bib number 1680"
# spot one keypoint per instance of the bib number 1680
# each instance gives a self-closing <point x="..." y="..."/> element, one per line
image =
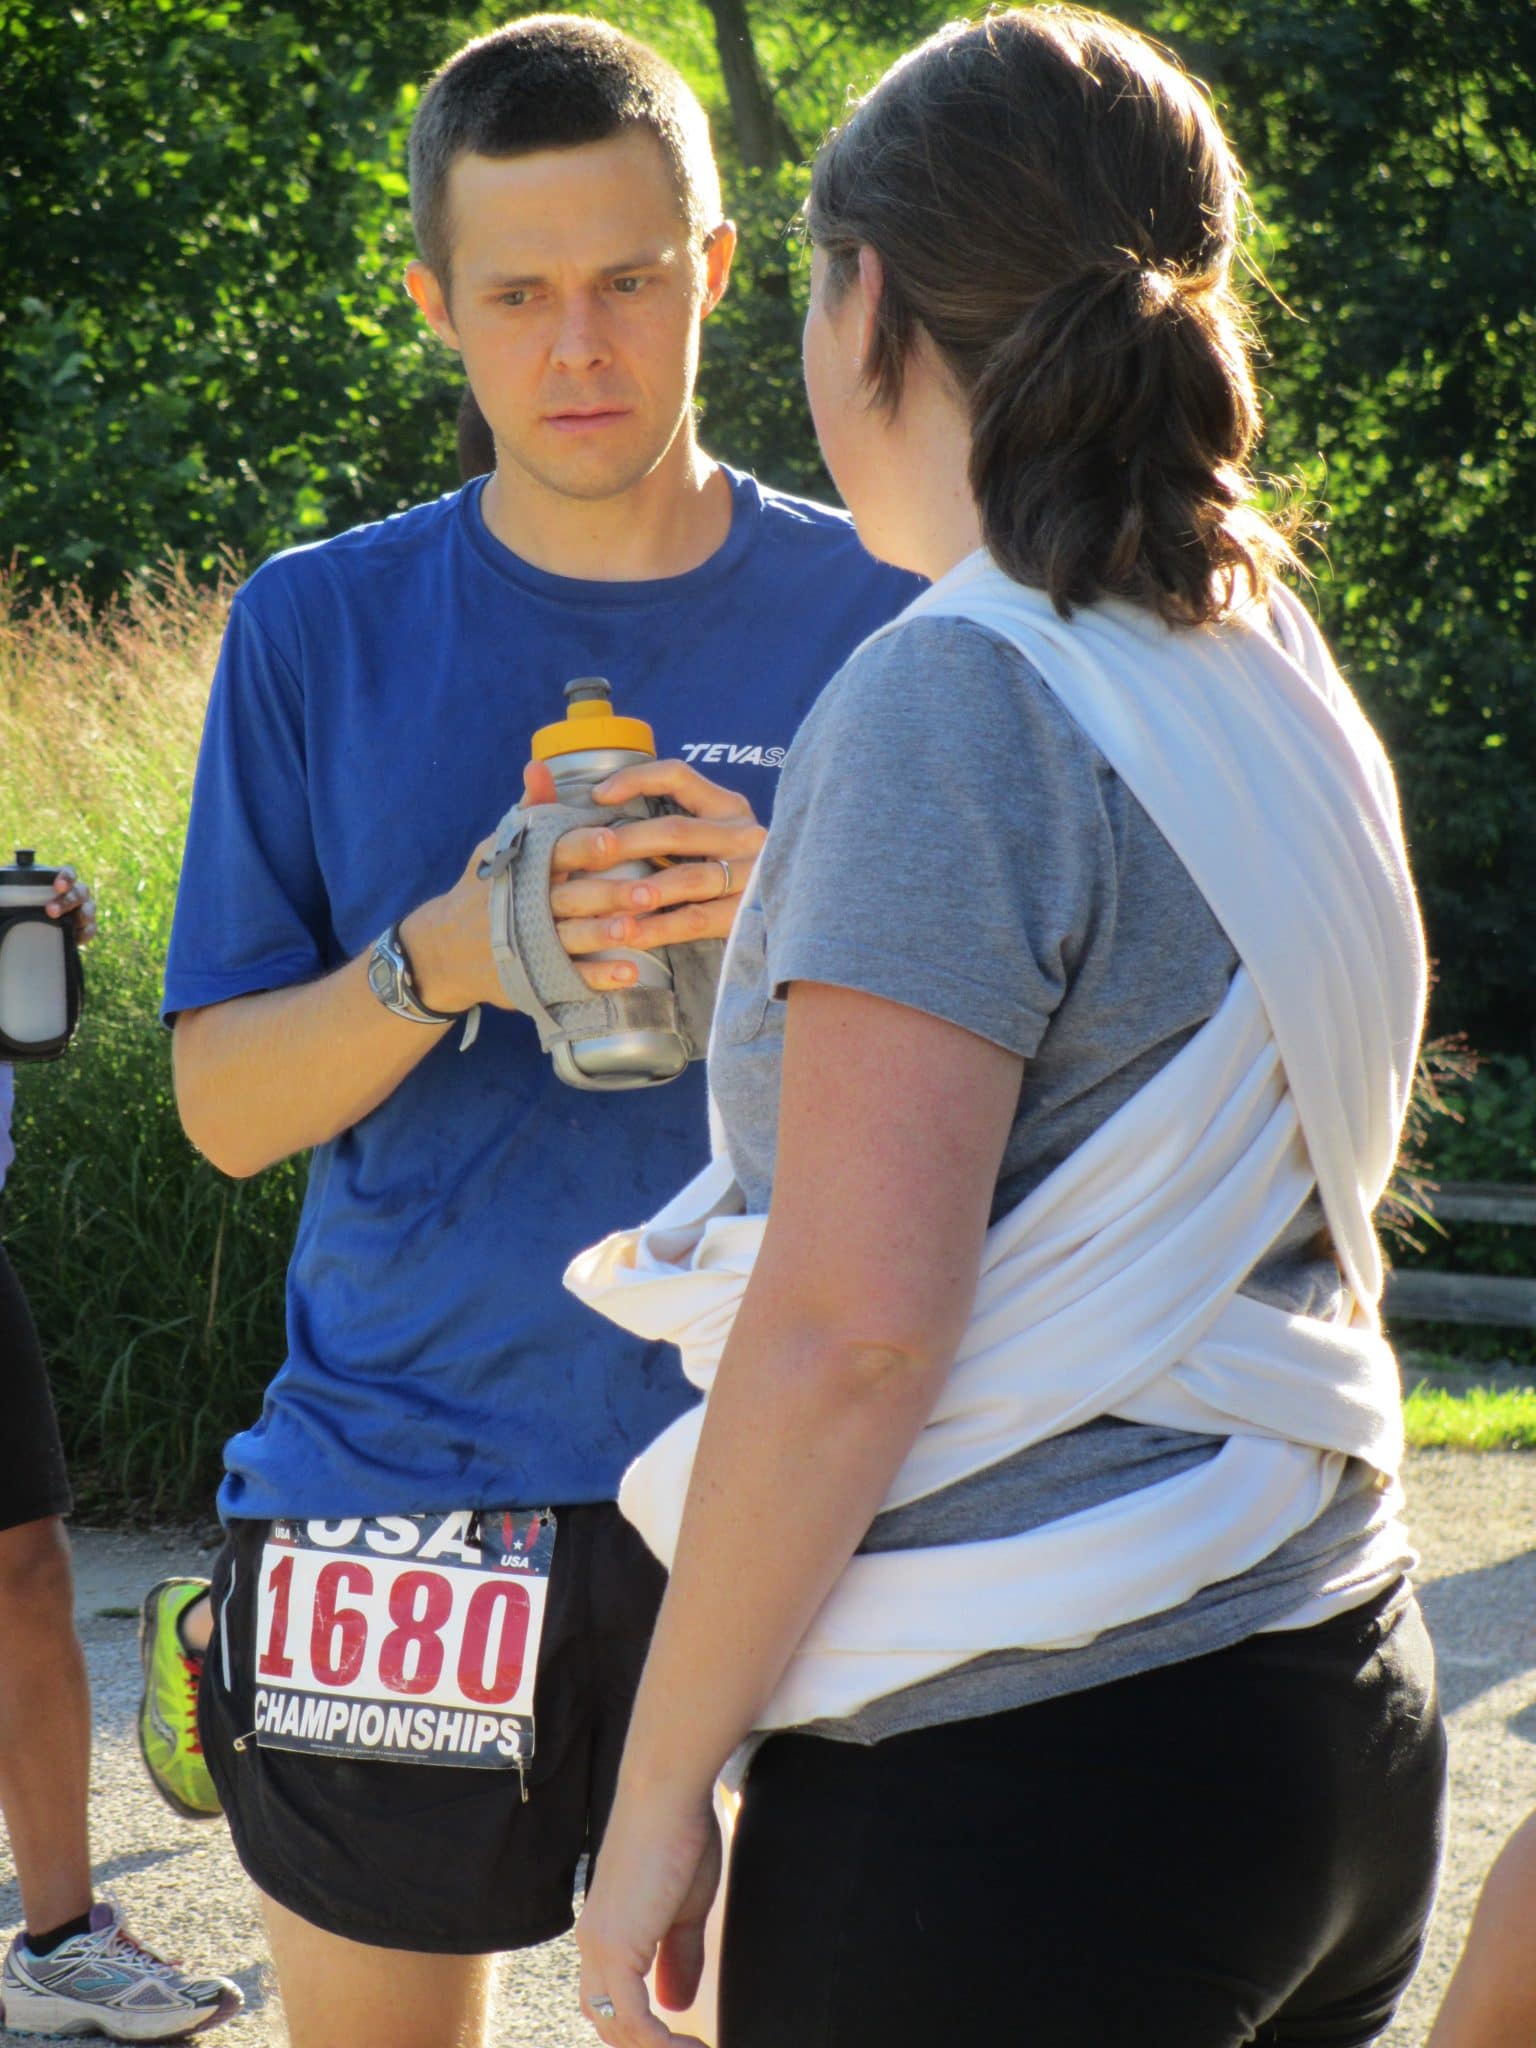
<point x="388" y="1655"/>
<point x="491" y="1633"/>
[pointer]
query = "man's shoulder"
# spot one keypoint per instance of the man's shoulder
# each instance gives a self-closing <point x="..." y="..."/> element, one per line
<point x="380" y="551"/>
<point x="806" y="523"/>
<point x="806" y="536"/>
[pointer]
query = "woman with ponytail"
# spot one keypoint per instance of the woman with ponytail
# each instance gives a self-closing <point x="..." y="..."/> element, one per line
<point x="1037" y="1562"/>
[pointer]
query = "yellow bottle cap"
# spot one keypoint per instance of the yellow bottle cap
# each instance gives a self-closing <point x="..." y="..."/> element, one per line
<point x="590" y="722"/>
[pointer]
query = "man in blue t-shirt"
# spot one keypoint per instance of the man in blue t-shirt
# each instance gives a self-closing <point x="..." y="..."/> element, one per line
<point x="428" y="1618"/>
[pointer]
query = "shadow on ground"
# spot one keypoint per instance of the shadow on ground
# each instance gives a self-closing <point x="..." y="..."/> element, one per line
<point x="1483" y="1623"/>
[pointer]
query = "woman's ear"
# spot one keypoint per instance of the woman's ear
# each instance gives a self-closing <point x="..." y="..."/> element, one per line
<point x="871" y="291"/>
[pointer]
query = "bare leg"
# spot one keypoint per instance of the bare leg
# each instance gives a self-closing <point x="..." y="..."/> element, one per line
<point x="337" y="1993"/>
<point x="45" y="1725"/>
<point x="1492" y="1999"/>
<point x="197" y="1624"/>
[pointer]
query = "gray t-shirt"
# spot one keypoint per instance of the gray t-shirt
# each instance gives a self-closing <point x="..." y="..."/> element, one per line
<point x="948" y="837"/>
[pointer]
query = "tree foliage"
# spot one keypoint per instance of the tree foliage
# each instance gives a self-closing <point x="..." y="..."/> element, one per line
<point x="203" y="204"/>
<point x="1392" y="150"/>
<point x="208" y="347"/>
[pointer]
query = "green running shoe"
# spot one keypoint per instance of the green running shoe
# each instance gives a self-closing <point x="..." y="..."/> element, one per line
<point x="168" y="1738"/>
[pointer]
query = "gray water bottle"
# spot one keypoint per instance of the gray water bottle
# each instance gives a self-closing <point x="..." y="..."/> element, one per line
<point x="587" y="746"/>
<point x="39" y="965"/>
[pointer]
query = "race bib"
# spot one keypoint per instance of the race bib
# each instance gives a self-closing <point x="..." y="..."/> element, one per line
<point x="405" y="1638"/>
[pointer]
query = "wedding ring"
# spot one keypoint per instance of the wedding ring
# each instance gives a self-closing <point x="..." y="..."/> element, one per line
<point x="725" y="868"/>
<point x="603" y="2007"/>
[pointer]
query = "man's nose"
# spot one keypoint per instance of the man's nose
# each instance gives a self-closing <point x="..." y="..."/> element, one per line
<point x="580" y="341"/>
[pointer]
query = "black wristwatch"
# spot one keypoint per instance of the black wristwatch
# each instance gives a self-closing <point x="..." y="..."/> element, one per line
<point x="391" y="979"/>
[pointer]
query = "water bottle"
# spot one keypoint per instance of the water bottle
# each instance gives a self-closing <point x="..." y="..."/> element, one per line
<point x="39" y="965"/>
<point x="587" y="746"/>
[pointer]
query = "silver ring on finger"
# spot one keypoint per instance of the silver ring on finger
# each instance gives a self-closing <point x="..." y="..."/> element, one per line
<point x="725" y="868"/>
<point x="603" y="2007"/>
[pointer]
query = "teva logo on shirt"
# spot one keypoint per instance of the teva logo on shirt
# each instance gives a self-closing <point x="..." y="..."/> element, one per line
<point x="721" y="753"/>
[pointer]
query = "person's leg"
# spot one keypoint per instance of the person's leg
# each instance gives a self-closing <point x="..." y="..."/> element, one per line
<point x="1491" y="2002"/>
<point x="197" y="1625"/>
<point x="75" y="1967"/>
<point x="337" y="1993"/>
<point x="45" y="1709"/>
<point x="45" y="1726"/>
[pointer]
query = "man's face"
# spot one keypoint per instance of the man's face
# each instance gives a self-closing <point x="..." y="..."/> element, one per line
<point x="576" y="301"/>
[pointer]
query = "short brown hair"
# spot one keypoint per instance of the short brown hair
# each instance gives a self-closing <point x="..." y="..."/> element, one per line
<point x="553" y="81"/>
<point x="1054" y="203"/>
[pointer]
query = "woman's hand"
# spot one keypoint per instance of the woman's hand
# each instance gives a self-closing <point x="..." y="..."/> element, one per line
<point x="73" y="900"/>
<point x="656" y="1878"/>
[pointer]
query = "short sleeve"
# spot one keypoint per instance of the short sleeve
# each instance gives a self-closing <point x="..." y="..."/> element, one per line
<point x="251" y="909"/>
<point x="7" y="1098"/>
<point x="940" y="837"/>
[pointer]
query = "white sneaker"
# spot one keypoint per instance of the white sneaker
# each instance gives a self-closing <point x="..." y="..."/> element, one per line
<point x="105" y="1982"/>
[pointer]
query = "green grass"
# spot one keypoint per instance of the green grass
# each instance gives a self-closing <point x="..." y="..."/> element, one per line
<point x="156" y="1283"/>
<point x="1480" y="1419"/>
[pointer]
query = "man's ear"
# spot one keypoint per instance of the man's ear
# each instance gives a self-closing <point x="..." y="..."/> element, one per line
<point x="431" y="301"/>
<point x="719" y="254"/>
<point x="871" y="291"/>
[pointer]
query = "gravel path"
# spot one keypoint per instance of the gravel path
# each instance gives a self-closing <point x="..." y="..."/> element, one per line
<point x="1474" y="1518"/>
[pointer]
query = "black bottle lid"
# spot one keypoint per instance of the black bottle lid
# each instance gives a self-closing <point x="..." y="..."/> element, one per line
<point x="26" y="874"/>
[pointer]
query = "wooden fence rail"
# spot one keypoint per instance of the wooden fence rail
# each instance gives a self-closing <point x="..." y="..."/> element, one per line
<point x="1415" y="1296"/>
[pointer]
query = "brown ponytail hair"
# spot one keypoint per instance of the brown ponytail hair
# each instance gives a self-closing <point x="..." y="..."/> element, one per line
<point x="1055" y="205"/>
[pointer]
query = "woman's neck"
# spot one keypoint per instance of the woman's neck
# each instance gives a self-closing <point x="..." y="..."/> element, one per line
<point x="930" y="521"/>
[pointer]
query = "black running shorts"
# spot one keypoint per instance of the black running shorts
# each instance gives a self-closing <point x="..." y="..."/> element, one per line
<point x="434" y="1857"/>
<point x="33" y="1481"/>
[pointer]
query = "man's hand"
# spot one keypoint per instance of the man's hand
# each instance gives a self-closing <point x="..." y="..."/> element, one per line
<point x="448" y="943"/>
<point x="710" y="855"/>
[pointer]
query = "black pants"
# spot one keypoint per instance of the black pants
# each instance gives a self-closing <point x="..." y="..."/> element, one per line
<point x="1241" y="1848"/>
<point x="33" y="1481"/>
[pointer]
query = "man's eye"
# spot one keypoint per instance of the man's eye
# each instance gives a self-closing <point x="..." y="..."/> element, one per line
<point x="514" y="298"/>
<point x="628" y="285"/>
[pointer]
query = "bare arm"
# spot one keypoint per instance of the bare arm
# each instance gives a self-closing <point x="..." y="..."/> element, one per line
<point x="892" y="1127"/>
<point x="266" y="1075"/>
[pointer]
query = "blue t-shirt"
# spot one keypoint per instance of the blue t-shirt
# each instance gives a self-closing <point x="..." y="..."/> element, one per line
<point x="368" y="725"/>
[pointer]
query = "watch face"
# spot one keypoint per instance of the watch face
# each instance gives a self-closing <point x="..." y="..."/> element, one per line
<point x="381" y="975"/>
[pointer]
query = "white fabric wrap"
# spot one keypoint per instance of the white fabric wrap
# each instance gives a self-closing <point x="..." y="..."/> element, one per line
<point x="1112" y="1289"/>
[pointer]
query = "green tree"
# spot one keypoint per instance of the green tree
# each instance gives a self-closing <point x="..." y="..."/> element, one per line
<point x="203" y="202"/>
<point x="763" y="137"/>
<point x="209" y="349"/>
<point x="1392" y="150"/>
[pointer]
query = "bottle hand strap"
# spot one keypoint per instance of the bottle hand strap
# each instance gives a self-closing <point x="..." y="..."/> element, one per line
<point x="533" y="966"/>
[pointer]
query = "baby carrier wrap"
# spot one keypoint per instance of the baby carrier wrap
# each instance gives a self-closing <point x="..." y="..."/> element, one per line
<point x="1113" y="1288"/>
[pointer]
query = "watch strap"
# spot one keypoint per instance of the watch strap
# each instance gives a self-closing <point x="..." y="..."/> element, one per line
<point x="392" y="981"/>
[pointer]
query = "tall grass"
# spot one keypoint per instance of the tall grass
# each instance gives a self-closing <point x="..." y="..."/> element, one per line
<point x="157" y="1284"/>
